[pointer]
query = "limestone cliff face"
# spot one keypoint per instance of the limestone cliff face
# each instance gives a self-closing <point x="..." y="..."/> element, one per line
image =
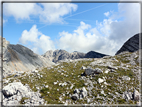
<point x="131" y="45"/>
<point x="20" y="58"/>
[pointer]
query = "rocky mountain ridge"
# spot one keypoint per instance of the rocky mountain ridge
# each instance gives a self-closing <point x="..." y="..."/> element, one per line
<point x="58" y="55"/>
<point x="131" y="45"/>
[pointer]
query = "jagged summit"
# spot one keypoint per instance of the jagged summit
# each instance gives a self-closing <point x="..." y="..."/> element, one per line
<point x="62" y="55"/>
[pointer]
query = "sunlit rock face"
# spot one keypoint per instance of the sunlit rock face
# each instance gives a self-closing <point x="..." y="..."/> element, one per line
<point x="20" y="58"/>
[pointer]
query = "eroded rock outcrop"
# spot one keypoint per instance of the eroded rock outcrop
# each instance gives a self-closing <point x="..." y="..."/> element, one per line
<point x="17" y="93"/>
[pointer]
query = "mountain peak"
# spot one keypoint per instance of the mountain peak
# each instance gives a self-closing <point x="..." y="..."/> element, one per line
<point x="131" y="45"/>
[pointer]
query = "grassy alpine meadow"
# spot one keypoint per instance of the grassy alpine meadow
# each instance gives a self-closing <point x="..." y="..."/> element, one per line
<point x="57" y="84"/>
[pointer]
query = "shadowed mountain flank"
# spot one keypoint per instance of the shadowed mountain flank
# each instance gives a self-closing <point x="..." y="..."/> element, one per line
<point x="93" y="54"/>
<point x="131" y="45"/>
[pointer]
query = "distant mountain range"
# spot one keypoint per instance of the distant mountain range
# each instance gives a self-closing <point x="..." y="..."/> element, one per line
<point x="62" y="55"/>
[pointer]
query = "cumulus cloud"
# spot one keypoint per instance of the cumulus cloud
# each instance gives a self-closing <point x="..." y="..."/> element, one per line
<point x="53" y="12"/>
<point x="130" y="25"/>
<point x="39" y="42"/>
<point x="108" y="36"/>
<point x="47" y="12"/>
<point x="21" y="10"/>
<point x="106" y="14"/>
<point x="84" y="42"/>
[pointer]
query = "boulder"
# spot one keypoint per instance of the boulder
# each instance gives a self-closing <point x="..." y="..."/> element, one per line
<point x="100" y="80"/>
<point x="83" y="68"/>
<point x="75" y="96"/>
<point x="14" y="92"/>
<point x="106" y="71"/>
<point x="136" y="95"/>
<point x="91" y="71"/>
<point x="111" y="67"/>
<point x="13" y="88"/>
<point x="112" y="70"/>
<point x="83" y="92"/>
<point x="127" y="95"/>
<point x="76" y="91"/>
<point x="79" y="93"/>
<point x="126" y="78"/>
<point x="34" y="71"/>
<point x="98" y="71"/>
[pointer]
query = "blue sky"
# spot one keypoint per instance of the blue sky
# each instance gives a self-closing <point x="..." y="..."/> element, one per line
<point x="101" y="27"/>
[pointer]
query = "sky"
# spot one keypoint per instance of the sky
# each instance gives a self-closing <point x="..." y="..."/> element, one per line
<point x="82" y="27"/>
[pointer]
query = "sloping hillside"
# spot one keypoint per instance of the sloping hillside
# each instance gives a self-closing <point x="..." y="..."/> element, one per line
<point x="20" y="58"/>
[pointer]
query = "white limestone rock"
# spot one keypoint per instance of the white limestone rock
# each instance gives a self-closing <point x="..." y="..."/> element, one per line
<point x="14" y="92"/>
<point x="13" y="88"/>
<point x="136" y="95"/>
<point x="126" y="78"/>
<point x="100" y="80"/>
<point x="83" y="67"/>
<point x="107" y="71"/>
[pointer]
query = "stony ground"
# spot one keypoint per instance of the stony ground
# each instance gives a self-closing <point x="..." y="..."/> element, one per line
<point x="107" y="80"/>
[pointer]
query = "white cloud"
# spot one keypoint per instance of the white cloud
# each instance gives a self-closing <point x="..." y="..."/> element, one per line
<point x="39" y="42"/>
<point x="84" y="42"/>
<point x="53" y="12"/>
<point x="47" y="12"/>
<point x="106" y="14"/>
<point x="21" y="10"/>
<point x="130" y="25"/>
<point x="31" y="35"/>
<point x="108" y="36"/>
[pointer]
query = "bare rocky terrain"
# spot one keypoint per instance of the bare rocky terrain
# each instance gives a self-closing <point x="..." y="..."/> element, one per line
<point x="94" y="81"/>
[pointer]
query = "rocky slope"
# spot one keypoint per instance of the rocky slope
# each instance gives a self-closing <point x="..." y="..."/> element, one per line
<point x="95" y="81"/>
<point x="131" y="45"/>
<point x="58" y="55"/>
<point x="20" y="58"/>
